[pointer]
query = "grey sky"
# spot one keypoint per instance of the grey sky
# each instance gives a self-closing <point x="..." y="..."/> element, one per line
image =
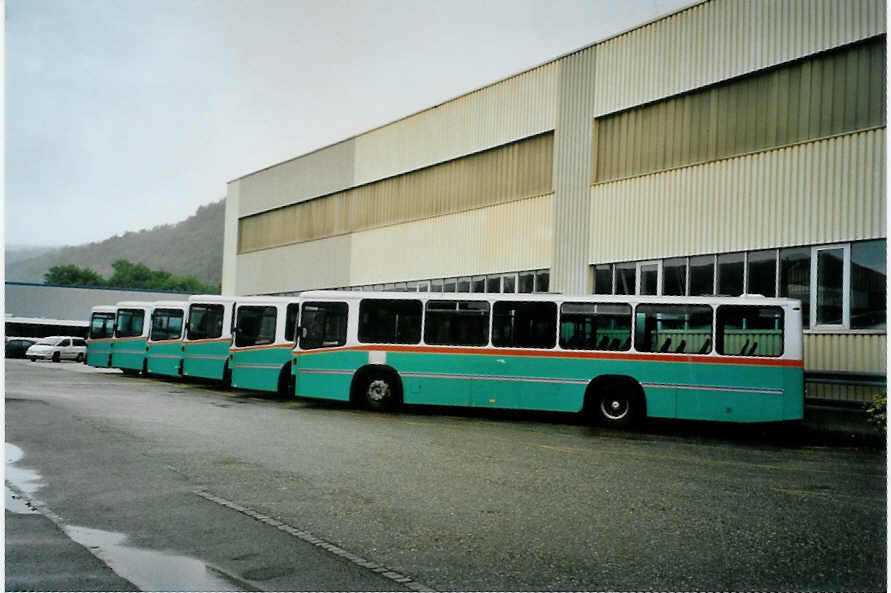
<point x="125" y="115"/>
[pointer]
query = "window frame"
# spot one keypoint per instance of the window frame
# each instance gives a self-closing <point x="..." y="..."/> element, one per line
<point x="845" y="288"/>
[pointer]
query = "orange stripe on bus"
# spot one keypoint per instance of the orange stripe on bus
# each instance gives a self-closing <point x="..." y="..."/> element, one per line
<point x="207" y="341"/>
<point x="269" y="347"/>
<point x="680" y="358"/>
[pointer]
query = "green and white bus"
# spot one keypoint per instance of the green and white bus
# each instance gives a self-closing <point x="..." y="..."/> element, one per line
<point x="163" y="353"/>
<point x="208" y="337"/>
<point x="263" y="338"/>
<point x="101" y="334"/>
<point x="617" y="358"/>
<point x="131" y="330"/>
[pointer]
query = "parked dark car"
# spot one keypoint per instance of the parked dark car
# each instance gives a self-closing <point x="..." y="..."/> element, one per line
<point x="16" y="347"/>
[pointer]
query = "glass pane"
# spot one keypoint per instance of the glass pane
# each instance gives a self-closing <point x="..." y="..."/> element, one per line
<point x="603" y="279"/>
<point x="478" y="284"/>
<point x="795" y="279"/>
<point x="542" y="281"/>
<point x="649" y="278"/>
<point x="762" y="273"/>
<point x="702" y="275"/>
<point x="493" y="284"/>
<point x="749" y="331"/>
<point x="527" y="282"/>
<point x="509" y="283"/>
<point x="730" y="274"/>
<point x="674" y="277"/>
<point x="676" y="329"/>
<point x="524" y="324"/>
<point x="464" y="284"/>
<point x="436" y="286"/>
<point x="595" y="326"/>
<point x="868" y="286"/>
<point x="323" y="325"/>
<point x="448" y="285"/>
<point x="830" y="276"/>
<point x="457" y="323"/>
<point x="390" y="321"/>
<point x="625" y="278"/>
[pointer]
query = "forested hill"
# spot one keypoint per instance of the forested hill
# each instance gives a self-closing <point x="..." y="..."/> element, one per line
<point x="193" y="247"/>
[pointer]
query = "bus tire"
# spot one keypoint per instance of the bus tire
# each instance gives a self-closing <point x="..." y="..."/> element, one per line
<point x="380" y="390"/>
<point x="618" y="403"/>
<point x="285" y="382"/>
<point x="227" y="377"/>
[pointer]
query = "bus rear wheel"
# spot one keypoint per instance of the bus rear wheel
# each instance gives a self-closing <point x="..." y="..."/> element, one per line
<point x="618" y="405"/>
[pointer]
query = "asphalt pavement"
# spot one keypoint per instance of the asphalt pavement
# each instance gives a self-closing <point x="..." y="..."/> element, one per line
<point x="41" y="556"/>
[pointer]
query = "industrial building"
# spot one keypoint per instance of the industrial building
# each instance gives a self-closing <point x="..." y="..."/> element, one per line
<point x="732" y="147"/>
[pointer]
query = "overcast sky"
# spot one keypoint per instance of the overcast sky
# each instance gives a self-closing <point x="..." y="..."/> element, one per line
<point x="122" y="115"/>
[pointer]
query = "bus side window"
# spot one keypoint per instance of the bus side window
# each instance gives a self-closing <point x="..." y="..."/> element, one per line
<point x="385" y="321"/>
<point x="674" y="329"/>
<point x="524" y="324"/>
<point x="324" y="325"/>
<point x="595" y="326"/>
<point x="749" y="330"/>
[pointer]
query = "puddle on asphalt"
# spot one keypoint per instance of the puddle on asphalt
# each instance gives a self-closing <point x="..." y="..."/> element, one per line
<point x="26" y="480"/>
<point x="147" y="569"/>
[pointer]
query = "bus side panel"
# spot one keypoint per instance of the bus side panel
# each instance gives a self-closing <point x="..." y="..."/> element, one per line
<point x="98" y="352"/>
<point x="206" y="360"/>
<point x="164" y="359"/>
<point x="793" y="394"/>
<point x="434" y="378"/>
<point x="327" y="375"/>
<point x="727" y="393"/>
<point x="128" y="353"/>
<point x="258" y="369"/>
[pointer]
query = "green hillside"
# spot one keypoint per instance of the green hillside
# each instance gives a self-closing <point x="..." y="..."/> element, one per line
<point x="193" y="247"/>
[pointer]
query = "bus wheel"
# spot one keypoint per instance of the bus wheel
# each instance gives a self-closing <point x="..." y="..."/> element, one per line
<point x="380" y="391"/>
<point x="285" y="382"/>
<point x="618" y="405"/>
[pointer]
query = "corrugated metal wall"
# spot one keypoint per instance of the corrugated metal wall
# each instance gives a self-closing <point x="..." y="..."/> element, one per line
<point x="866" y="353"/>
<point x="317" y="173"/>
<point x="723" y="39"/>
<point x="836" y="92"/>
<point x="817" y="192"/>
<point x="518" y="107"/>
<point x="512" y="236"/>
<point x="316" y="264"/>
<point x="572" y="162"/>
<point x="515" y="171"/>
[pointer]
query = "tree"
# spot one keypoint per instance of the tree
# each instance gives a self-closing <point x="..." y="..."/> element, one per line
<point x="136" y="275"/>
<point x="71" y="275"/>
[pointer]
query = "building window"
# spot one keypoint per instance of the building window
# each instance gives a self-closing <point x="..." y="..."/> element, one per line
<point x="509" y="283"/>
<point x="702" y="275"/>
<point x="730" y="273"/>
<point x="542" y="280"/>
<point x="868" y="285"/>
<point x="649" y="278"/>
<point x="526" y="282"/>
<point x="674" y="277"/>
<point x="761" y="273"/>
<point x="493" y="284"/>
<point x="603" y="279"/>
<point x="625" y="278"/>
<point x="795" y="279"/>
<point x="829" y="287"/>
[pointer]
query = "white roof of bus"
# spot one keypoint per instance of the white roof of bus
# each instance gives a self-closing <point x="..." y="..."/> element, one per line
<point x="260" y="300"/>
<point x="171" y="305"/>
<point x="211" y="298"/>
<point x="134" y="305"/>
<point x="601" y="298"/>
<point x="104" y="309"/>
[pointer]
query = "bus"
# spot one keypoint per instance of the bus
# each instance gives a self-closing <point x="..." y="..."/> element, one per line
<point x="208" y="337"/>
<point x="38" y="327"/>
<point x="263" y="339"/>
<point x="164" y="349"/>
<point x="131" y="330"/>
<point x="616" y="358"/>
<point x="101" y="335"/>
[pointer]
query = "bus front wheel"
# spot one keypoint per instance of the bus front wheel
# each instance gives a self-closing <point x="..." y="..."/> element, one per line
<point x="380" y="391"/>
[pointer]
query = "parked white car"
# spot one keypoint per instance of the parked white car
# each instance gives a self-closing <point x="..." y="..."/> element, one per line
<point x="56" y="348"/>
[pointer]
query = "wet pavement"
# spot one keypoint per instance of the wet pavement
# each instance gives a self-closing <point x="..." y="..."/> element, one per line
<point x="157" y="484"/>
